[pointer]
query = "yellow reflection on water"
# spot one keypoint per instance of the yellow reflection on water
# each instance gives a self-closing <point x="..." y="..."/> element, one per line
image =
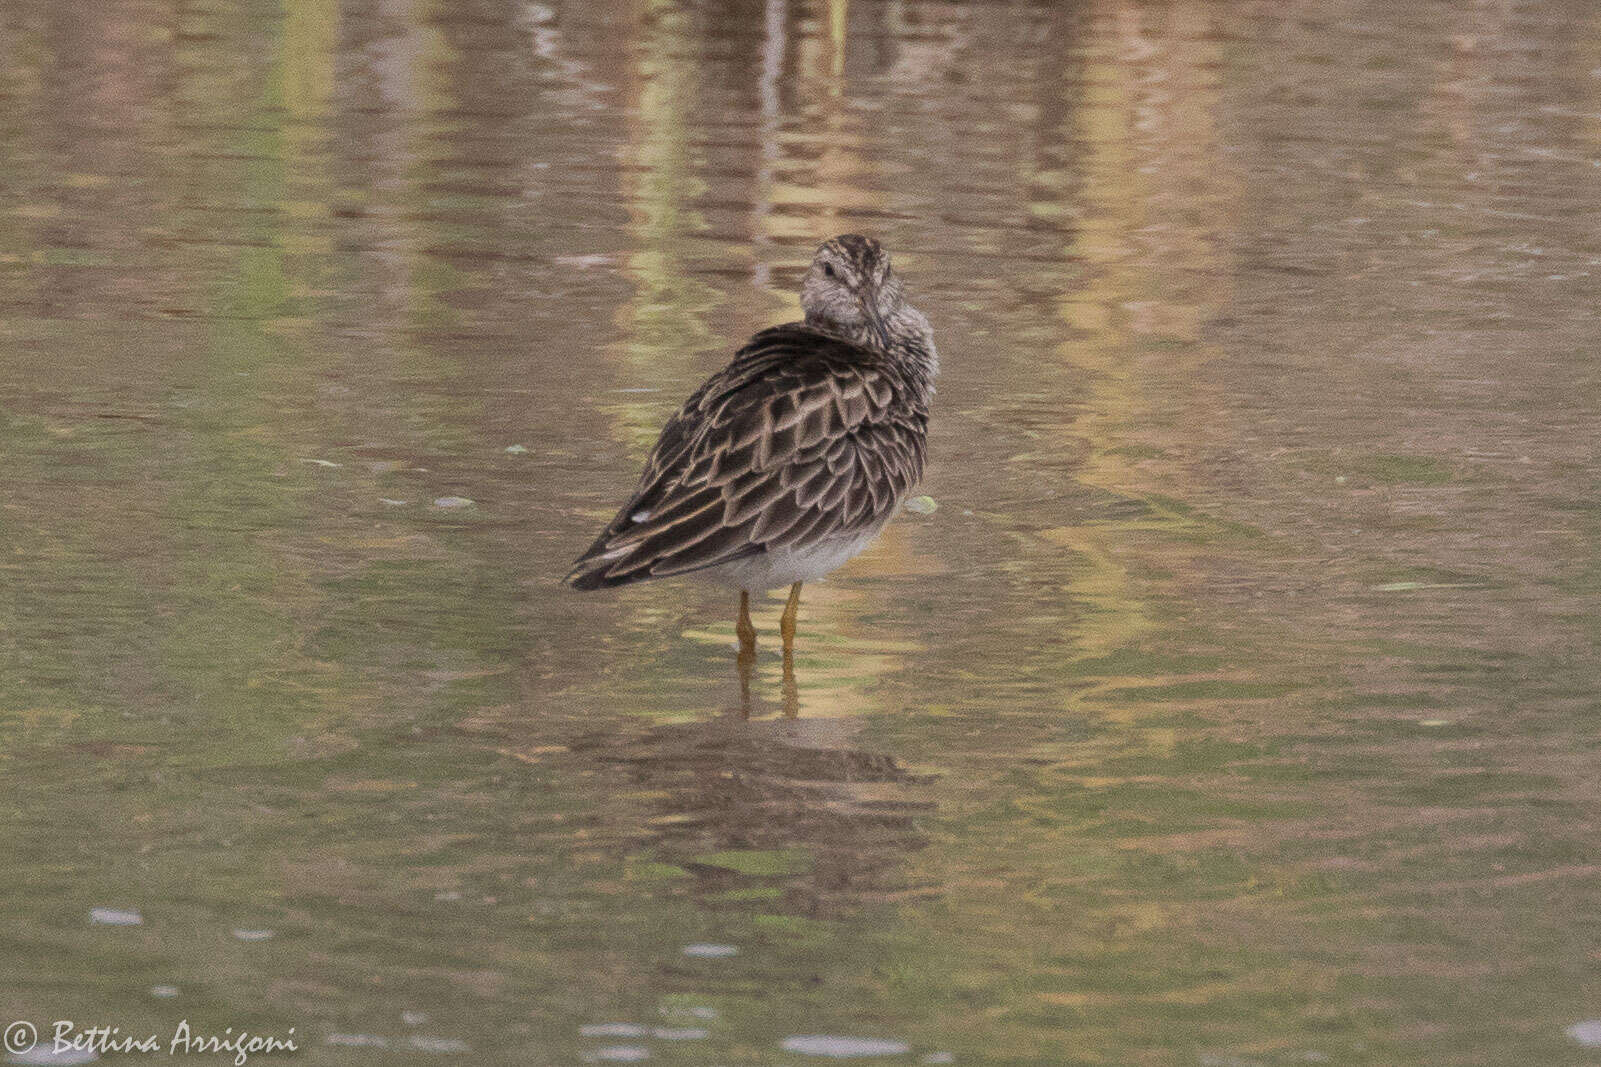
<point x="1146" y="123"/>
<point x="664" y="323"/>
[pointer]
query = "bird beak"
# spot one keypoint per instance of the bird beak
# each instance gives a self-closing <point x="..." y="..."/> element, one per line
<point x="875" y="321"/>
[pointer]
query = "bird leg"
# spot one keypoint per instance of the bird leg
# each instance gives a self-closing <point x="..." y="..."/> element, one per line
<point x="747" y="648"/>
<point x="745" y="629"/>
<point x="786" y="623"/>
<point x="786" y="627"/>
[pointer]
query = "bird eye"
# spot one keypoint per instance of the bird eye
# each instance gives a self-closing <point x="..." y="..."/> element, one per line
<point x="828" y="270"/>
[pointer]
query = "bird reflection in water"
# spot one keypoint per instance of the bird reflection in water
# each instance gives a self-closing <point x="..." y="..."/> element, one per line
<point x="846" y="817"/>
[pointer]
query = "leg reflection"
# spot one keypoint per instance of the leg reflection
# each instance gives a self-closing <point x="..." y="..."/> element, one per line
<point x="791" y="690"/>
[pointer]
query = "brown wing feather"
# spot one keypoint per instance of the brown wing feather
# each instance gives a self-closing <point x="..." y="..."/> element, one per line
<point x="800" y="438"/>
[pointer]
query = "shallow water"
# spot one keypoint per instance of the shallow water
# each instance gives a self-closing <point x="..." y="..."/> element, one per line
<point x="1235" y="705"/>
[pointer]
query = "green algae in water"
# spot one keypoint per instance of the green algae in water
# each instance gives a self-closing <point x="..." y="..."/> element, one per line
<point x="760" y="864"/>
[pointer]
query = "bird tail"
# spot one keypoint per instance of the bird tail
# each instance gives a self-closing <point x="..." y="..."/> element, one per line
<point x="590" y="571"/>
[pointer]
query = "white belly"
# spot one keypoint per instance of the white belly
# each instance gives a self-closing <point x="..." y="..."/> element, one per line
<point x="786" y="566"/>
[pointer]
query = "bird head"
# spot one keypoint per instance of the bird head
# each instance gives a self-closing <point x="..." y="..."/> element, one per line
<point x="850" y="290"/>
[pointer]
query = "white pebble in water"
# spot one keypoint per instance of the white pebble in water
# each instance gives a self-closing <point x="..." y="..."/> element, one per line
<point x="1587" y="1033"/>
<point x="939" y="1057"/>
<point x="448" y="502"/>
<point x="701" y="1012"/>
<point x="165" y="992"/>
<point x="449" y="1046"/>
<point x="710" y="952"/>
<point x="253" y="935"/>
<point x="685" y="1033"/>
<point x="838" y="1047"/>
<point x="115" y="917"/>
<point x="620" y="1054"/>
<point x="611" y="1030"/>
<point x="413" y="1018"/>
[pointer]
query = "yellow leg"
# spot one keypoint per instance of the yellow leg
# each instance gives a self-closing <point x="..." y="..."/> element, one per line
<point x="786" y="624"/>
<point x="786" y="627"/>
<point x="745" y="629"/>
<point x="747" y="650"/>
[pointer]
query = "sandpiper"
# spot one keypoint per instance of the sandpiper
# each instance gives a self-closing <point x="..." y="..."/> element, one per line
<point x="789" y="460"/>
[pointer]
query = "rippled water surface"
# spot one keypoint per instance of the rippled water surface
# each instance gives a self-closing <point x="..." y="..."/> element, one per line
<point x="1236" y="705"/>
